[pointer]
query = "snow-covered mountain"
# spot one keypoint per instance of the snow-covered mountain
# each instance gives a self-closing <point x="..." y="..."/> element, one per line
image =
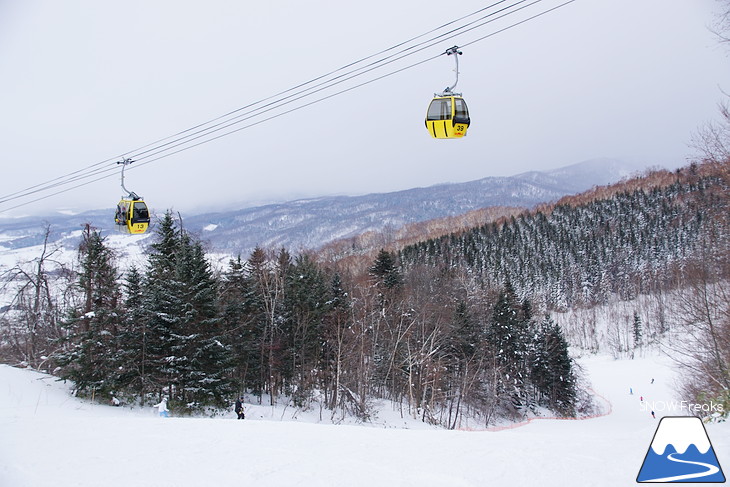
<point x="311" y="223"/>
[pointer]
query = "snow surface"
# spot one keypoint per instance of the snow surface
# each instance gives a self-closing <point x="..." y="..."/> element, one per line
<point x="48" y="437"/>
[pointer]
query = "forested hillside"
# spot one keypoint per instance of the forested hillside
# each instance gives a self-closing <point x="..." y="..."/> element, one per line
<point x="632" y="238"/>
<point x="449" y="328"/>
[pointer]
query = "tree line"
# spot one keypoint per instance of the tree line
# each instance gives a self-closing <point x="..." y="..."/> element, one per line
<point x="451" y="330"/>
<point x="631" y="243"/>
<point x="287" y="328"/>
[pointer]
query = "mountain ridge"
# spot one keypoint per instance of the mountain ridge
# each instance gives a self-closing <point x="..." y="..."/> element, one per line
<point x="312" y="223"/>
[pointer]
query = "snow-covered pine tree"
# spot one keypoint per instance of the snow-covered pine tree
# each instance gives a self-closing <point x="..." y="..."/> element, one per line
<point x="207" y="378"/>
<point x="187" y="354"/>
<point x="637" y="330"/>
<point x="468" y="337"/>
<point x="307" y="301"/>
<point x="240" y="334"/>
<point x="134" y="362"/>
<point x="385" y="271"/>
<point x="91" y="357"/>
<point x="256" y="302"/>
<point x="552" y="369"/>
<point x="507" y="335"/>
<point x="336" y="336"/>
<point x="165" y="311"/>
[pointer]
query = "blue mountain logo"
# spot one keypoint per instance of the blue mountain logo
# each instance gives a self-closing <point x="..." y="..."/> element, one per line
<point x="681" y="452"/>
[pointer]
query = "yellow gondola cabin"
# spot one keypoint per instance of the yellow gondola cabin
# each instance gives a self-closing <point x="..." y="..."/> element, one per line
<point x="447" y="117"/>
<point x="132" y="216"/>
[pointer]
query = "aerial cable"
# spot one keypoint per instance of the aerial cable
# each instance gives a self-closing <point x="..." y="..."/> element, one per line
<point x="479" y="39"/>
<point x="342" y="91"/>
<point x="78" y="176"/>
<point x="298" y="107"/>
<point x="318" y="78"/>
<point x="314" y="89"/>
<point x="54" y="183"/>
<point x="157" y="149"/>
<point x="49" y="182"/>
<point x="310" y="91"/>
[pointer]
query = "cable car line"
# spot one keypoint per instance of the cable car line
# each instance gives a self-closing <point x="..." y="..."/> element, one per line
<point x="139" y="154"/>
<point x="299" y="107"/>
<point x="160" y="151"/>
<point x="226" y="124"/>
<point x="310" y="91"/>
<point x="492" y="34"/>
<point x="447" y="116"/>
<point x="136" y="152"/>
<point x="318" y="78"/>
<point x="317" y="87"/>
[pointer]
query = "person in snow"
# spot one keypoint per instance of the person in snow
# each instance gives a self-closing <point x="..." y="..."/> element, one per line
<point x="162" y="408"/>
<point x="239" y="408"/>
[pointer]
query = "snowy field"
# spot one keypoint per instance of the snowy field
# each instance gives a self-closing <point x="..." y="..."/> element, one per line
<point x="48" y="437"/>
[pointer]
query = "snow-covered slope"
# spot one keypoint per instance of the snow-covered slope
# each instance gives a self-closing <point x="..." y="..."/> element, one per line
<point x="50" y="438"/>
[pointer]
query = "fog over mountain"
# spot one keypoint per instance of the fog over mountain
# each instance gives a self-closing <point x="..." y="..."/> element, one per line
<point x="311" y="223"/>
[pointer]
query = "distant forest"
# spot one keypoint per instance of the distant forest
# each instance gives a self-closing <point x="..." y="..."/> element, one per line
<point x="453" y="327"/>
<point x="584" y="251"/>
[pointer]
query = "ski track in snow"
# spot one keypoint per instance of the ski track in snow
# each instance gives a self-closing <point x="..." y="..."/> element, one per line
<point x="50" y="438"/>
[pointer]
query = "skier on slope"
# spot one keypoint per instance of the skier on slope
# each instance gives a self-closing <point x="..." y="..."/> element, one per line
<point x="162" y="408"/>
<point x="239" y="408"/>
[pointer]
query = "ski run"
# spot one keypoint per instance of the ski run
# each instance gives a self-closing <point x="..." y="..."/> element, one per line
<point x="51" y="438"/>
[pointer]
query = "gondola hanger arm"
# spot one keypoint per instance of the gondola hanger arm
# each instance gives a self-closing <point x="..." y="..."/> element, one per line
<point x="456" y="52"/>
<point x="130" y="194"/>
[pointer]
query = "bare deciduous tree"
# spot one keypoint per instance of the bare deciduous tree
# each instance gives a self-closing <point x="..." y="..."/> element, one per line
<point x="30" y="323"/>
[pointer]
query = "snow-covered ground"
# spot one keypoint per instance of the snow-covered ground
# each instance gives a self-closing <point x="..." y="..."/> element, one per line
<point x="48" y="437"/>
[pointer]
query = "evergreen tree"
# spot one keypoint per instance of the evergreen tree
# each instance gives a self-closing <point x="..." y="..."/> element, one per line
<point x="507" y="335"/>
<point x="335" y="334"/>
<point x="165" y="310"/>
<point x="92" y="357"/>
<point x="552" y="369"/>
<point x="385" y="271"/>
<point x="467" y="335"/>
<point x="187" y="354"/>
<point x="240" y="335"/>
<point x="637" y="329"/>
<point x="257" y="302"/>
<point x="206" y="370"/>
<point x="133" y="363"/>
<point x="307" y="302"/>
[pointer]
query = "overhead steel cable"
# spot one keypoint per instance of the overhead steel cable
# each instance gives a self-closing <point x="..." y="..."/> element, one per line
<point x="30" y="189"/>
<point x="79" y="174"/>
<point x="518" y="23"/>
<point x="318" y="78"/>
<point x="319" y="88"/>
<point x="74" y="177"/>
<point x="316" y="88"/>
<point x="193" y="140"/>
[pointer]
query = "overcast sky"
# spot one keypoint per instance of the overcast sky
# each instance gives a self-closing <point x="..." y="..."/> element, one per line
<point x="83" y="81"/>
